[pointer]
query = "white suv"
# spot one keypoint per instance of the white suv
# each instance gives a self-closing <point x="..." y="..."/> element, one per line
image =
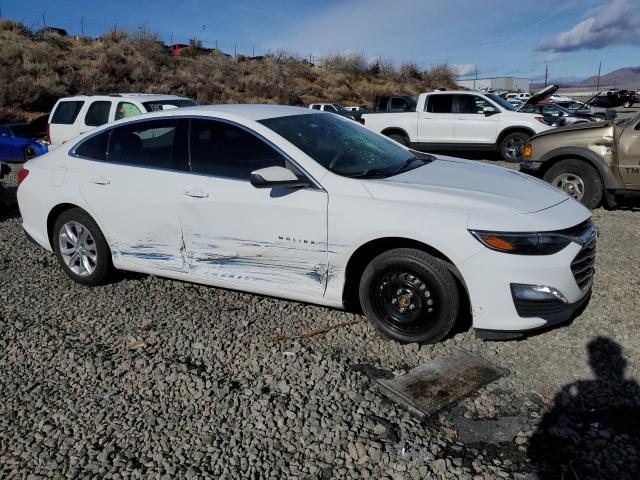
<point x="295" y="203"/>
<point x="72" y="116"/>
<point x="460" y="120"/>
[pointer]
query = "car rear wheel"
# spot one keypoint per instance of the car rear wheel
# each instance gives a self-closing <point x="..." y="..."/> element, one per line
<point x="578" y="179"/>
<point x="512" y="145"/>
<point x="410" y="296"/>
<point x="81" y="248"/>
<point x="401" y="139"/>
<point x="627" y="104"/>
<point x="29" y="153"/>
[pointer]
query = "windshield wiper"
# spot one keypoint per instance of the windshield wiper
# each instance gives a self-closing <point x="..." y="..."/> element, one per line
<point x="377" y="172"/>
<point x="405" y="166"/>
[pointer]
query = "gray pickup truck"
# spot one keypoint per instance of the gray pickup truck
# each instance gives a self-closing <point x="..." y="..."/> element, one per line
<point x="592" y="162"/>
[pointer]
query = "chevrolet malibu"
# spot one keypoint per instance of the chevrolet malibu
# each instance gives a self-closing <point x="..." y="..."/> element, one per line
<point x="308" y="206"/>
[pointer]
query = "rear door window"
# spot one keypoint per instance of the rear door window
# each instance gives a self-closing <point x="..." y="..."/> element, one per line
<point x="223" y="150"/>
<point x="67" y="112"/>
<point x="98" y="113"/>
<point x="94" y="147"/>
<point x="153" y="143"/>
<point x="439" y="104"/>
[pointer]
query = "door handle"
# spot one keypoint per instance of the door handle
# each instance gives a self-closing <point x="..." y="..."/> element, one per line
<point x="100" y="180"/>
<point x="195" y="193"/>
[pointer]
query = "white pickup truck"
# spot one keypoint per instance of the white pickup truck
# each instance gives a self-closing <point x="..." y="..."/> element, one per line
<point x="461" y="120"/>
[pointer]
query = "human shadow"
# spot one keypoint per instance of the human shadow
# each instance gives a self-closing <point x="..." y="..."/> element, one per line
<point x="593" y="429"/>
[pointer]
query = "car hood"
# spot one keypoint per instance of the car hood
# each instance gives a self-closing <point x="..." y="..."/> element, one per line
<point x="580" y="126"/>
<point x="541" y="95"/>
<point x="468" y="185"/>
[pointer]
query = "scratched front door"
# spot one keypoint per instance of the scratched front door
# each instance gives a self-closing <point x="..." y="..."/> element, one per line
<point x="256" y="239"/>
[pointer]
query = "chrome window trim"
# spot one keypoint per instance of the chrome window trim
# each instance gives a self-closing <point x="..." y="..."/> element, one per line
<point x="72" y="151"/>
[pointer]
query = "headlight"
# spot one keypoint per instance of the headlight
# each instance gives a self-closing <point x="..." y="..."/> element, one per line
<point x="41" y="142"/>
<point x="522" y="243"/>
<point x="527" y="151"/>
<point x="540" y="119"/>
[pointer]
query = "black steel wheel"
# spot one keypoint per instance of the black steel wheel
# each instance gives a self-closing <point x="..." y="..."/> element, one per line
<point x="409" y="296"/>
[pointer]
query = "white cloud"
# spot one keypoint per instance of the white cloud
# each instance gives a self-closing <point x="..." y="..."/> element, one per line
<point x="615" y="24"/>
<point x="464" y="69"/>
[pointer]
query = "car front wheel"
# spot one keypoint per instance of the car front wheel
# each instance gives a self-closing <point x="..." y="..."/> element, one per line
<point x="81" y="248"/>
<point x="29" y="153"/>
<point x="410" y="296"/>
<point x="512" y="145"/>
<point x="578" y="179"/>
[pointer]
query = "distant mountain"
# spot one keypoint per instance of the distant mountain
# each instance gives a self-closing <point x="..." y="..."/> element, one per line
<point x="628" y="77"/>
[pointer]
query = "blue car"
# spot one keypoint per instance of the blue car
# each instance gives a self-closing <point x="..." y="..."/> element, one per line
<point x="18" y="145"/>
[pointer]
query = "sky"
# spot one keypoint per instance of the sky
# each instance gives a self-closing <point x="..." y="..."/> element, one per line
<point x="496" y="37"/>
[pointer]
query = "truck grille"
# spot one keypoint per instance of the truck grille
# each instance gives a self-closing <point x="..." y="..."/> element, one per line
<point x="583" y="265"/>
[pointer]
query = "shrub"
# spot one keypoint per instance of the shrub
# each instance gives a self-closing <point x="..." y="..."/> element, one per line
<point x="38" y="71"/>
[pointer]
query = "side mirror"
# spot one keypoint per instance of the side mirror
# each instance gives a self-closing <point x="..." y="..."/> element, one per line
<point x="272" y="177"/>
<point x="488" y="111"/>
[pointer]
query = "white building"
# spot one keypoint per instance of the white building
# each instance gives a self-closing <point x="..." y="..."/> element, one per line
<point x="497" y="83"/>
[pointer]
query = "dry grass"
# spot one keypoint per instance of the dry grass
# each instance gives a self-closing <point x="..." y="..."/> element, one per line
<point x="38" y="69"/>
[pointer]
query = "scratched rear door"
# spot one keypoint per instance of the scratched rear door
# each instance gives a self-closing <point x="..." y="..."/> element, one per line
<point x="135" y="193"/>
<point x="255" y="239"/>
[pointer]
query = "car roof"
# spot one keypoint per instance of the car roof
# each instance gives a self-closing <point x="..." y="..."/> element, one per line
<point x="245" y="110"/>
<point x="140" y="97"/>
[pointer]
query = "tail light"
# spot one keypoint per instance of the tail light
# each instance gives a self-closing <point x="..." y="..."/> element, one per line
<point x="49" y="133"/>
<point x="22" y="174"/>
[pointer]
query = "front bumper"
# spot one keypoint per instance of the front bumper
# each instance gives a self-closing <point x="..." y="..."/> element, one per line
<point x="530" y="167"/>
<point x="489" y="276"/>
<point x="554" y="313"/>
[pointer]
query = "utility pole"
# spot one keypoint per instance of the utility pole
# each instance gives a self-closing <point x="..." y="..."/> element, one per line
<point x="235" y="50"/>
<point x="82" y="25"/>
<point x="546" y="74"/>
<point x="216" y="44"/>
<point x="475" y="79"/>
<point x="599" y="71"/>
<point x="253" y="54"/>
<point x="44" y="20"/>
<point x="171" y="38"/>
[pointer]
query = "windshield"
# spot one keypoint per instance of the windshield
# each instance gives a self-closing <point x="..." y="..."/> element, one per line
<point x="157" y="105"/>
<point x="344" y="146"/>
<point x="500" y="101"/>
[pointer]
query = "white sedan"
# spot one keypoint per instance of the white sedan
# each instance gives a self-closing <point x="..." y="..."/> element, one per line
<point x="308" y="206"/>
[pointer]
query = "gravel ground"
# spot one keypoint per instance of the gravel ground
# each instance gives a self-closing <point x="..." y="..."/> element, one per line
<point x="154" y="378"/>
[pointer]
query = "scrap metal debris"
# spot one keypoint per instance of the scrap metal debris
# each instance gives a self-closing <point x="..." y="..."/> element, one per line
<point x="138" y="346"/>
<point x="437" y="383"/>
<point x="317" y="331"/>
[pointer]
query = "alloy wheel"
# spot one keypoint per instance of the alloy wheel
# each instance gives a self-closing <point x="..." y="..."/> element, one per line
<point x="78" y="248"/>
<point x="513" y="149"/>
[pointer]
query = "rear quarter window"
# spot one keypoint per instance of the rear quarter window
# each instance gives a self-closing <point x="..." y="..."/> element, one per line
<point x="67" y="112"/>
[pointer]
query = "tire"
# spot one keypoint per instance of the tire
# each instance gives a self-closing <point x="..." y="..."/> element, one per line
<point x="578" y="179"/>
<point x="70" y="258"/>
<point x="29" y="153"/>
<point x="628" y="104"/>
<point x="401" y="139"/>
<point x="409" y="296"/>
<point x="511" y="146"/>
